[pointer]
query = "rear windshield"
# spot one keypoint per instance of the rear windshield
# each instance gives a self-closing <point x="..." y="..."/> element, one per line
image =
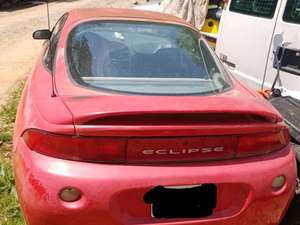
<point x="143" y="58"/>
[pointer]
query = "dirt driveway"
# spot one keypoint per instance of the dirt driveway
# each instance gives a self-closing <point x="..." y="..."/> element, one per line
<point x="18" y="50"/>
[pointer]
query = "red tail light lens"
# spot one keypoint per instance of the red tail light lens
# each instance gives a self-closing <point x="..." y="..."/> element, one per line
<point x="153" y="150"/>
<point x="77" y="148"/>
<point x="257" y="144"/>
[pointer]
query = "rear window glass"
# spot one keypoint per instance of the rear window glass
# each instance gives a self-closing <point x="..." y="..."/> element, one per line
<point x="143" y="58"/>
<point x="261" y="8"/>
<point x="292" y="11"/>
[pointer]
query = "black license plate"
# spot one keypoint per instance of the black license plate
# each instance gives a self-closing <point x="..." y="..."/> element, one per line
<point x="182" y="202"/>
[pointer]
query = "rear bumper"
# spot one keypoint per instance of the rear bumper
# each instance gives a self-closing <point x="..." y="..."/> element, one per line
<point x="113" y="194"/>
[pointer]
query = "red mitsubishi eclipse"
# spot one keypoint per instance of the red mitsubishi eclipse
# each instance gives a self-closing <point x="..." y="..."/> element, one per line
<point x="129" y="118"/>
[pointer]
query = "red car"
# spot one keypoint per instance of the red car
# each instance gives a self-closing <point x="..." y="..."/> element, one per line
<point x="129" y="118"/>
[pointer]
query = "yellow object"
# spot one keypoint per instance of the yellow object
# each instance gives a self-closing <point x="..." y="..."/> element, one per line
<point x="211" y="26"/>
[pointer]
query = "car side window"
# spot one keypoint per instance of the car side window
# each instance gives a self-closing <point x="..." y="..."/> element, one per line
<point x="51" y="49"/>
<point x="260" y="8"/>
<point x="292" y="11"/>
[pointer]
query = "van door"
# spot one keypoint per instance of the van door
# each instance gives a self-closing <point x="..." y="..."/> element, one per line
<point x="287" y="33"/>
<point x="245" y="37"/>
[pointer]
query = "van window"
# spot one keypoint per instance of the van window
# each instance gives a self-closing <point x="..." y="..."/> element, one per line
<point x="261" y="8"/>
<point x="292" y="11"/>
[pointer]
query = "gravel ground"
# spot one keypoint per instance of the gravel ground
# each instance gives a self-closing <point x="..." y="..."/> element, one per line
<point x="18" y="50"/>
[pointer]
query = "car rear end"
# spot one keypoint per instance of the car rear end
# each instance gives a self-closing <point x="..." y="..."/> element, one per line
<point x="154" y="132"/>
<point x="136" y="184"/>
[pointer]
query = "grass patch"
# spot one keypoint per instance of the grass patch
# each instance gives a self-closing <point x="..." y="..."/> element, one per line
<point x="10" y="213"/>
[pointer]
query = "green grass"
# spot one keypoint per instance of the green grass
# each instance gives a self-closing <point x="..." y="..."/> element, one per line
<point x="10" y="213"/>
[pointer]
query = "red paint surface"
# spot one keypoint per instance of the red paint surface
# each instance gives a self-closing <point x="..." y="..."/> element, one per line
<point x="38" y="187"/>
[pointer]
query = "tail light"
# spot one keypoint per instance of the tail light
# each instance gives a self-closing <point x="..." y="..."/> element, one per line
<point x="151" y="150"/>
<point x="90" y="149"/>
<point x="256" y="144"/>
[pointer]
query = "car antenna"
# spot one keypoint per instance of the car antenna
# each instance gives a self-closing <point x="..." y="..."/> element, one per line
<point x="48" y="15"/>
<point x="50" y="51"/>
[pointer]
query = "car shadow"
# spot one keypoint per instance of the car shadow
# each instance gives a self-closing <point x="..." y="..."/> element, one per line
<point x="292" y="216"/>
<point x="29" y="4"/>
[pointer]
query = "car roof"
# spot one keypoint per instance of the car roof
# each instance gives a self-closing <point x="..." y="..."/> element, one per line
<point x="84" y="14"/>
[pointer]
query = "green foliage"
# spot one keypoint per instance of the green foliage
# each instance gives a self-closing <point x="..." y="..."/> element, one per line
<point x="5" y="136"/>
<point x="8" y="111"/>
<point x="9" y="207"/>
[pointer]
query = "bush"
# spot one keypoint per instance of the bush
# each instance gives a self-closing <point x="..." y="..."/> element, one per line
<point x="10" y="212"/>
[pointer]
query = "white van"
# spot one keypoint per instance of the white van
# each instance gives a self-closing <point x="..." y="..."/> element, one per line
<point x="249" y="34"/>
<point x="256" y="37"/>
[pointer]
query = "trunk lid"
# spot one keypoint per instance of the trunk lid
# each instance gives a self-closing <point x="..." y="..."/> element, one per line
<point x="103" y="112"/>
<point x="179" y="129"/>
